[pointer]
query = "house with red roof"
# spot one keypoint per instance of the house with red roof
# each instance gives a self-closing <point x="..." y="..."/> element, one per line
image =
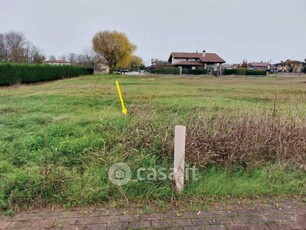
<point x="262" y="66"/>
<point x="210" y="61"/>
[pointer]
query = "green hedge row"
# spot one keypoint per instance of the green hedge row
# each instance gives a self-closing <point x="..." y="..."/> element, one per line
<point x="166" y="70"/>
<point x="244" y="72"/>
<point x="176" y="71"/>
<point x="195" y="71"/>
<point x="11" y="74"/>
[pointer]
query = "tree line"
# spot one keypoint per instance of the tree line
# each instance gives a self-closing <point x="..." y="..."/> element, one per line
<point x="14" y="47"/>
<point x="111" y="48"/>
<point x="88" y="58"/>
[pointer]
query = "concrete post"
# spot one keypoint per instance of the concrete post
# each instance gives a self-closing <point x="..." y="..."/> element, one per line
<point x="181" y="70"/>
<point x="179" y="156"/>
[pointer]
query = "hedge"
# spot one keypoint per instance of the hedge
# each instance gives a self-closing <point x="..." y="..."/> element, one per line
<point x="230" y="72"/>
<point x="244" y="72"/>
<point x="166" y="70"/>
<point x="11" y="74"/>
<point x="195" y="71"/>
<point x="256" y="72"/>
<point x="176" y="71"/>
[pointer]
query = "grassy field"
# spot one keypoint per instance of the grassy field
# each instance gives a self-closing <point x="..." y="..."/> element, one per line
<point x="58" y="139"/>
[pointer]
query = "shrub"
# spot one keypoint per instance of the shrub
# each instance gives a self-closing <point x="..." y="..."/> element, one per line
<point x="28" y="73"/>
<point x="304" y="69"/>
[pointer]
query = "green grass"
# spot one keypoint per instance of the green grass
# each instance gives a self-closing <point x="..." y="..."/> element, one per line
<point x="58" y="139"/>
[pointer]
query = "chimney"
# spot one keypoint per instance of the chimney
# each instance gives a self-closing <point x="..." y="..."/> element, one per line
<point x="204" y="53"/>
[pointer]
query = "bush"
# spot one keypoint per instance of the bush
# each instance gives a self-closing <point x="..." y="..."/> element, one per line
<point x="304" y="69"/>
<point x="166" y="70"/>
<point x="243" y="72"/>
<point x="11" y="74"/>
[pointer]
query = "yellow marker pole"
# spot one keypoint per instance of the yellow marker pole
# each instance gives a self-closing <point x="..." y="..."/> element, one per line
<point x="124" y="110"/>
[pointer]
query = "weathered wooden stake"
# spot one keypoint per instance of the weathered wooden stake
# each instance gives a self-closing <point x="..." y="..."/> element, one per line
<point x="179" y="156"/>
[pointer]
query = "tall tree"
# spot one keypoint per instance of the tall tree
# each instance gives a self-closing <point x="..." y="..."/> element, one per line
<point x="115" y="49"/>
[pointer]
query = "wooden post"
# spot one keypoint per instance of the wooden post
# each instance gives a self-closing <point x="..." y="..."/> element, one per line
<point x="179" y="156"/>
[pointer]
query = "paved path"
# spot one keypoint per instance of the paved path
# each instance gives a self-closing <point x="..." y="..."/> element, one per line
<point x="288" y="214"/>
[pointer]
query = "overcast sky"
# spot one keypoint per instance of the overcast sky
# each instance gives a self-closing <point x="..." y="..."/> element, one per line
<point x="256" y="30"/>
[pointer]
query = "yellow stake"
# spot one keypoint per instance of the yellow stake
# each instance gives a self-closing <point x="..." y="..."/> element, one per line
<point x="124" y="110"/>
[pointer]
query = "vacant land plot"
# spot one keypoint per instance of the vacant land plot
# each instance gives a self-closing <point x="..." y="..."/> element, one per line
<point x="246" y="136"/>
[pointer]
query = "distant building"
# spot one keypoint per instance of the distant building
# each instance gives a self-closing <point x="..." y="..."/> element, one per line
<point x="155" y="63"/>
<point x="209" y="61"/>
<point x="262" y="66"/>
<point x="57" y="62"/>
<point x="101" y="68"/>
<point x="289" y="66"/>
<point x="231" y="66"/>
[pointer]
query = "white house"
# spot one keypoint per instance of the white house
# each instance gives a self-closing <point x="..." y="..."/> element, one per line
<point x="57" y="62"/>
<point x="101" y="68"/>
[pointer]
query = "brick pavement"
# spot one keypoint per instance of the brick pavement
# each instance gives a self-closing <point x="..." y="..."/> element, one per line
<point x="287" y="214"/>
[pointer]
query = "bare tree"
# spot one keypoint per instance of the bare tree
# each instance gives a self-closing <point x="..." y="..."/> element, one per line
<point x="63" y="57"/>
<point x="30" y="51"/>
<point x="16" y="46"/>
<point x="52" y="58"/>
<point x="88" y="59"/>
<point x="82" y="61"/>
<point x="2" y="46"/>
<point x="3" y="51"/>
<point x="35" y="55"/>
<point x="91" y="56"/>
<point x="72" y="58"/>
